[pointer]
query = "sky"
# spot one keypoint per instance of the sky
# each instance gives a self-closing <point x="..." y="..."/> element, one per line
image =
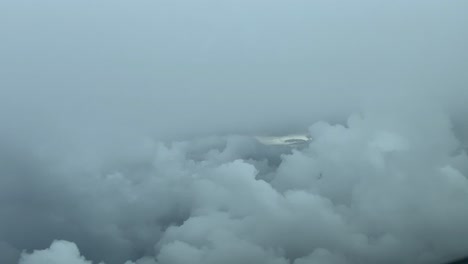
<point x="128" y="131"/>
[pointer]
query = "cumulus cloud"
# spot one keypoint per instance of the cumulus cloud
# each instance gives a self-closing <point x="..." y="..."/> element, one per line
<point x="130" y="130"/>
<point x="59" y="252"/>
<point x="361" y="192"/>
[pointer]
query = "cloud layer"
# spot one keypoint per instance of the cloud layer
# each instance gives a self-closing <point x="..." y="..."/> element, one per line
<point x="129" y="132"/>
<point x="371" y="191"/>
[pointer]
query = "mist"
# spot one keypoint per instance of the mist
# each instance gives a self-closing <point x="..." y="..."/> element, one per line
<point x="130" y="131"/>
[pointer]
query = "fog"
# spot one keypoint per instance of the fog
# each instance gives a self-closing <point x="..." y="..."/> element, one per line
<point x="131" y="131"/>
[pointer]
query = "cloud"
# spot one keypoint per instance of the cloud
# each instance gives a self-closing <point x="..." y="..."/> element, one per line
<point x="131" y="131"/>
<point x="366" y="191"/>
<point x="59" y="252"/>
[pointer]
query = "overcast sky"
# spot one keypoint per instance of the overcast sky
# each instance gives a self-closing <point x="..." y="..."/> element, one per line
<point x="89" y="90"/>
<point x="183" y="67"/>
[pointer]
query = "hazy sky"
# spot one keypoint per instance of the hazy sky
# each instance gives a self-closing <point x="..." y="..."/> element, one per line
<point x="89" y="90"/>
<point x="183" y="67"/>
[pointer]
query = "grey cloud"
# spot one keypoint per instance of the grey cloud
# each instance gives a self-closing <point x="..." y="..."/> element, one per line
<point x="129" y="130"/>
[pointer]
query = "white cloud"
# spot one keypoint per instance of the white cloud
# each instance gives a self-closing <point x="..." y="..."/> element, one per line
<point x="59" y="252"/>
